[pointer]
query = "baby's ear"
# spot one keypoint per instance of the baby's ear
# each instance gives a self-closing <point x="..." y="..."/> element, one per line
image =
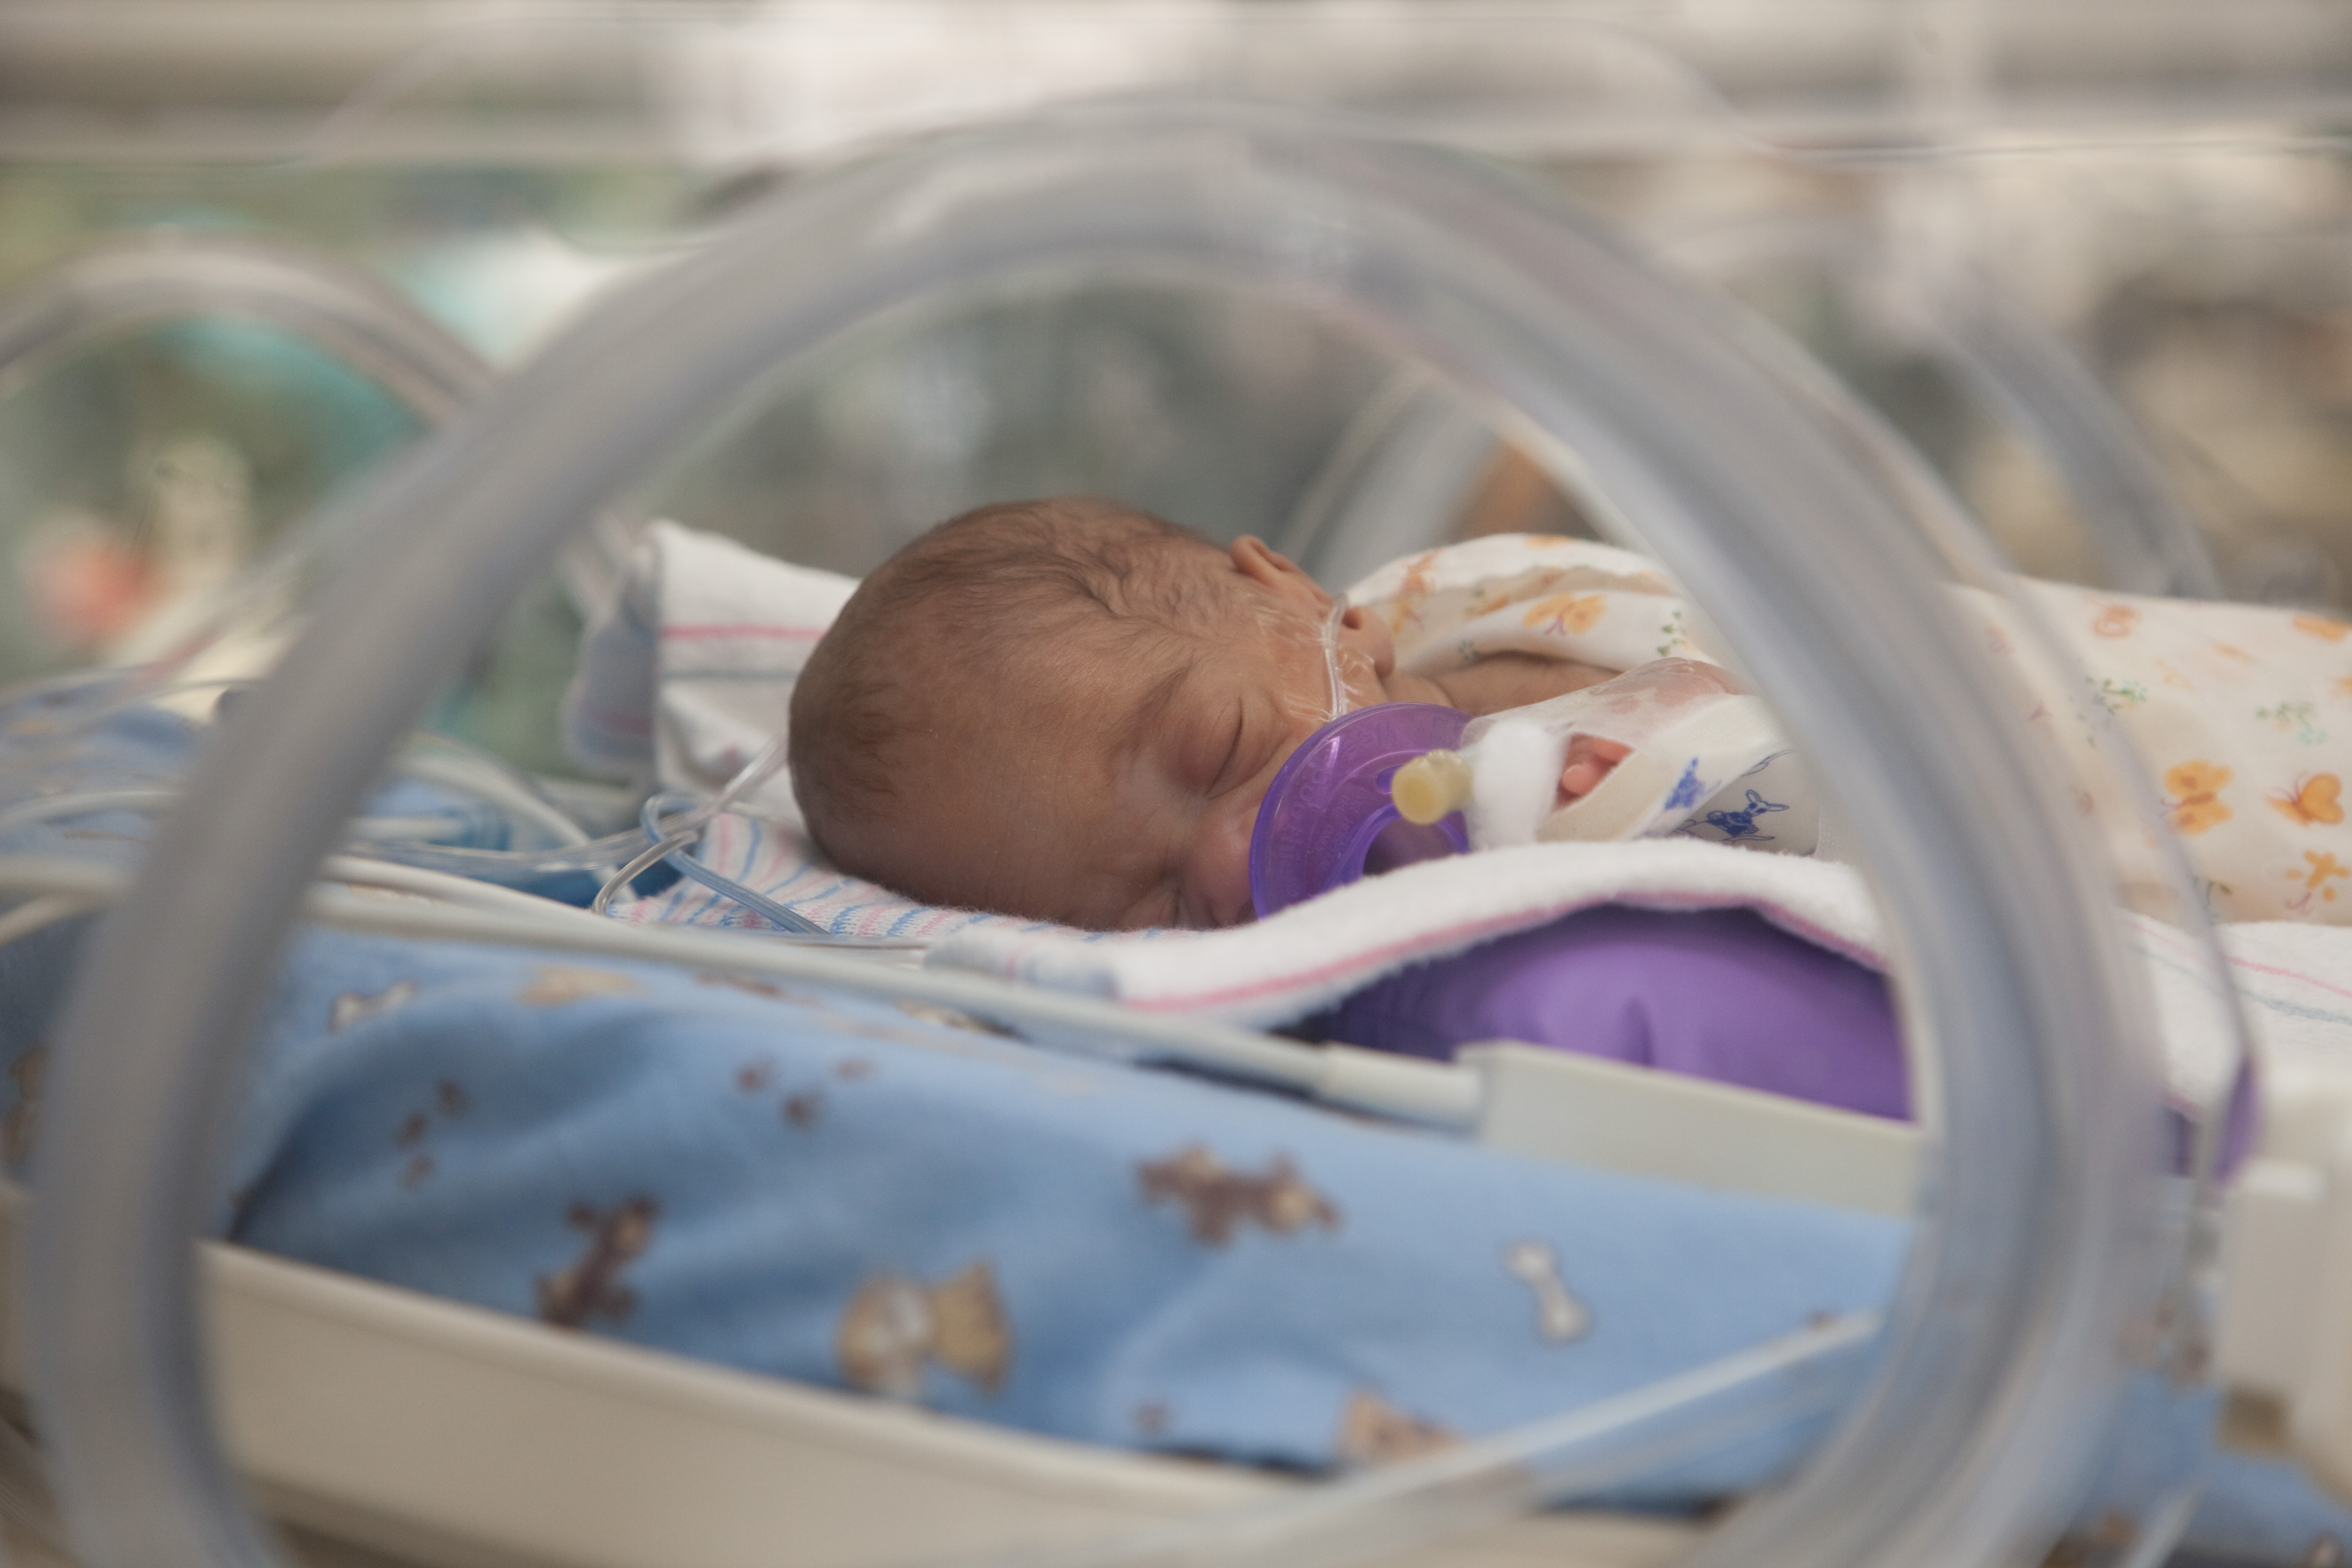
<point x="1269" y="568"/>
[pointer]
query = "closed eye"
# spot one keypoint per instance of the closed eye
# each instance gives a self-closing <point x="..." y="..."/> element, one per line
<point x="1225" y="777"/>
<point x="1163" y="910"/>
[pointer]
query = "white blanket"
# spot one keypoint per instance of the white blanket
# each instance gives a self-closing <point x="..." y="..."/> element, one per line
<point x="690" y="671"/>
<point x="1312" y="954"/>
<point x="2296" y="979"/>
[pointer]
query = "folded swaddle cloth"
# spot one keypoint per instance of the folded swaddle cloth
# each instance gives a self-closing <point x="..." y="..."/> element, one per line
<point x="2241" y="712"/>
<point x="690" y="670"/>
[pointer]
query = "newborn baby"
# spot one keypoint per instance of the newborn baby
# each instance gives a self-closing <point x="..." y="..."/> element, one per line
<point x="1071" y="710"/>
<point x="1068" y="709"/>
<point x="1064" y="709"/>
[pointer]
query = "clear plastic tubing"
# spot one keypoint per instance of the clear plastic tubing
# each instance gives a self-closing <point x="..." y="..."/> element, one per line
<point x="2039" y="1256"/>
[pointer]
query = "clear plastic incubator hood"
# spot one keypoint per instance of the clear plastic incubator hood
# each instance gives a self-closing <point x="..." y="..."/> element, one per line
<point x="130" y="512"/>
<point x="2040" y="1369"/>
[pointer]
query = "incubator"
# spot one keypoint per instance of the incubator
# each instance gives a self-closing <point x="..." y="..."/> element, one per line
<point x="2017" y="1351"/>
<point x="1384" y="194"/>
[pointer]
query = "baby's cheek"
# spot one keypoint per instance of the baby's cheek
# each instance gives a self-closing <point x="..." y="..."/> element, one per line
<point x="1219" y="889"/>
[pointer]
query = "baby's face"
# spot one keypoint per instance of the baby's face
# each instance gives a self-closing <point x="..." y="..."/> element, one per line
<point x="1115" y="791"/>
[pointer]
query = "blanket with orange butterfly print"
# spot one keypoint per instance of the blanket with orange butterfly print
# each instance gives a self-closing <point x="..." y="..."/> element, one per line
<point x="2241" y="713"/>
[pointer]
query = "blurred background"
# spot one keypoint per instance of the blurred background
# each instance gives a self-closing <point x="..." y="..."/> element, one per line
<point x="2094" y="260"/>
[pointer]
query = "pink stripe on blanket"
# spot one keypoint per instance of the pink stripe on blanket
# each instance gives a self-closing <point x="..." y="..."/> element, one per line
<point x="2182" y="939"/>
<point x="2274" y="969"/>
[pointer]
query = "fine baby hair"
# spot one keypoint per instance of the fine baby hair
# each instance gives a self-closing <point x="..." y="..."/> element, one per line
<point x="969" y="596"/>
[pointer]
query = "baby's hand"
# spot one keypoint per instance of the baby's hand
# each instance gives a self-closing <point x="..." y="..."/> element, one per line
<point x="1589" y="760"/>
<point x="1650" y="690"/>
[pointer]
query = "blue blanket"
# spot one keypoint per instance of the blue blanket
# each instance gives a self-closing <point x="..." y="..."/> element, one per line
<point x="892" y="1199"/>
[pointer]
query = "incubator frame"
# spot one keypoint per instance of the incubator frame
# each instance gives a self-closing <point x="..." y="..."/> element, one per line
<point x="2044" y="1254"/>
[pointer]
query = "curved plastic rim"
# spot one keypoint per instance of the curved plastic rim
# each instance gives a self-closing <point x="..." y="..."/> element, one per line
<point x="170" y="275"/>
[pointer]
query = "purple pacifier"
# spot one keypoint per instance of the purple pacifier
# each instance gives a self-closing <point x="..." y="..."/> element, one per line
<point x="1328" y="819"/>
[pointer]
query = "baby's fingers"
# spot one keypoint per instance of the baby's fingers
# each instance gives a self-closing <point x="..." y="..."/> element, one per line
<point x="1590" y="758"/>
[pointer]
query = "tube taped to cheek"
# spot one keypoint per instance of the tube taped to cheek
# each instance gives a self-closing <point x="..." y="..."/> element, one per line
<point x="1700" y="759"/>
<point x="1339" y="703"/>
<point x="1309" y="675"/>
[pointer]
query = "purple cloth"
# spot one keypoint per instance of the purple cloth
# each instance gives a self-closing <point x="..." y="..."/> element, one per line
<point x="1720" y="994"/>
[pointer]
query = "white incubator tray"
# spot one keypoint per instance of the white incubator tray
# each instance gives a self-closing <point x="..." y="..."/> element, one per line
<point x="445" y="1435"/>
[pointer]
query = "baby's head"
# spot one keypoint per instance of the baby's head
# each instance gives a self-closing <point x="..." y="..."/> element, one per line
<point x="1067" y="709"/>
